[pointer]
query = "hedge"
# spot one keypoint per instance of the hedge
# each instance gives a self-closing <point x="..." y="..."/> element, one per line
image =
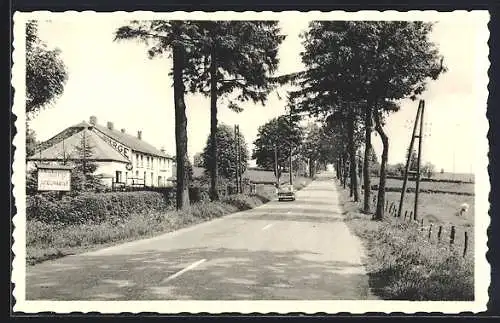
<point x="93" y="207"/>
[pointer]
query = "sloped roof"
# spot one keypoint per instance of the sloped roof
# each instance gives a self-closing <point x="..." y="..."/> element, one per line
<point x="67" y="148"/>
<point x="133" y="142"/>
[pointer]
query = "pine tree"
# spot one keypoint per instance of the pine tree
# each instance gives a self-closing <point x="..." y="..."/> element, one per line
<point x="82" y="175"/>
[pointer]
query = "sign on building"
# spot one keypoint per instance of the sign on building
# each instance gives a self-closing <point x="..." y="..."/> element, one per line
<point x="54" y="178"/>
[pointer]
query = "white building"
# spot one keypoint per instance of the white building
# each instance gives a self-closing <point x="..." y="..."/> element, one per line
<point x="122" y="159"/>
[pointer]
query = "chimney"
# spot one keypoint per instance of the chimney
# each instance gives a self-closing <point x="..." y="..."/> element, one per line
<point x="93" y="120"/>
<point x="139" y="134"/>
<point x="110" y="125"/>
<point x="163" y="149"/>
<point x="123" y="130"/>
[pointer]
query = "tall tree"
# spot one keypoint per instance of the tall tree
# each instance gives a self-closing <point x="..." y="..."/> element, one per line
<point x="275" y="136"/>
<point x="226" y="153"/>
<point x="374" y="62"/>
<point x="178" y="39"/>
<point x="403" y="61"/>
<point x="232" y="56"/>
<point x="46" y="73"/>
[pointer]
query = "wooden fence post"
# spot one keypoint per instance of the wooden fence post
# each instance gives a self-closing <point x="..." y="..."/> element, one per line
<point x="430" y="230"/>
<point x="439" y="233"/>
<point x="465" y="243"/>
<point x="406" y="213"/>
<point x="386" y="204"/>
<point x="422" y="224"/>
<point x="411" y="215"/>
<point x="452" y="234"/>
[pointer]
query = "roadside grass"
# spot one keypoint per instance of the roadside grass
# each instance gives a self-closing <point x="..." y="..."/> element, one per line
<point x="49" y="241"/>
<point x="404" y="265"/>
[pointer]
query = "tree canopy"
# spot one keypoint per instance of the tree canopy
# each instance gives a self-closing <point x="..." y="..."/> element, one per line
<point x="278" y="133"/>
<point x="372" y="64"/>
<point x="226" y="153"/>
<point x="46" y="74"/>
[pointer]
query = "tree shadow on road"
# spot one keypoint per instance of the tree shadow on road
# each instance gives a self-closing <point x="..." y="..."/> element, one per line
<point x="226" y="274"/>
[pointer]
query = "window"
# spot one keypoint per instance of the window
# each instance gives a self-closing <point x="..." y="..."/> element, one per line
<point x="142" y="160"/>
<point x="118" y="176"/>
<point x="137" y="160"/>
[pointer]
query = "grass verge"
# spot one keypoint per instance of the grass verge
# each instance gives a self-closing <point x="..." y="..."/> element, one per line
<point x="404" y="265"/>
<point x="49" y="241"/>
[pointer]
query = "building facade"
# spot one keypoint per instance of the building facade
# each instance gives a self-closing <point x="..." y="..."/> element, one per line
<point x="122" y="160"/>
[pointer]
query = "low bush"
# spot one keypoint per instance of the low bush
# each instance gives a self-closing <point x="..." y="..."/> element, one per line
<point x="92" y="207"/>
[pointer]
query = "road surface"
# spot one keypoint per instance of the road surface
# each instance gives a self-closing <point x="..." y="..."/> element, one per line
<point x="300" y="250"/>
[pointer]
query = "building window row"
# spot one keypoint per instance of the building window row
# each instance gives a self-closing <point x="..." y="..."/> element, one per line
<point x="149" y="162"/>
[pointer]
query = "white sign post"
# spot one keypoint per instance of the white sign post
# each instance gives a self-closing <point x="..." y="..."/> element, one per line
<point x="54" y="178"/>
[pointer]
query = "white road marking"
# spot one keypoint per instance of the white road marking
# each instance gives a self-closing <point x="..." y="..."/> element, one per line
<point x="267" y="226"/>
<point x="288" y="212"/>
<point x="180" y="272"/>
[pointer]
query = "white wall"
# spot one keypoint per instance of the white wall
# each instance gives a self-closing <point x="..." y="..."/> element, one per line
<point x="157" y="169"/>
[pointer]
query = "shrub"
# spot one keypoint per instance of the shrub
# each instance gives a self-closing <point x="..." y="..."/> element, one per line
<point x="92" y="207"/>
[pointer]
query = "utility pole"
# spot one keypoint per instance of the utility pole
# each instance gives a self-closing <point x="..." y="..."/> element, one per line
<point x="419" y="117"/>
<point x="290" y="144"/>
<point x="419" y="158"/>
<point x="276" y="166"/>
<point x="238" y="154"/>
<point x="237" y="157"/>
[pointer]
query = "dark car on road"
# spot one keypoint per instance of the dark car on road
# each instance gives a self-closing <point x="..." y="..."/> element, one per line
<point x="286" y="192"/>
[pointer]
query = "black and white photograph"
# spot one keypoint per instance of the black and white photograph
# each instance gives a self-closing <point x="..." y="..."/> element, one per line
<point x="251" y="162"/>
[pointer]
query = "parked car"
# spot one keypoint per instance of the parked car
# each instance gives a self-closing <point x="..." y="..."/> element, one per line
<point x="286" y="192"/>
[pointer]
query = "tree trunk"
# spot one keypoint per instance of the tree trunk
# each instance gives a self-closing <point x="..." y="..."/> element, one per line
<point x="342" y="166"/>
<point x="337" y="171"/>
<point x="345" y="171"/>
<point x="214" y="169"/>
<point x="366" y="159"/>
<point x="383" y="164"/>
<point x="182" y="192"/>
<point x="352" y="159"/>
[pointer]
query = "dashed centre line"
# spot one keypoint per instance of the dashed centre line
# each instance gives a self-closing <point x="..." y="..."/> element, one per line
<point x="267" y="226"/>
<point x="180" y="272"/>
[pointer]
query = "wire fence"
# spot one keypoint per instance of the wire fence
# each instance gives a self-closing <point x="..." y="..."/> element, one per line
<point x="433" y="232"/>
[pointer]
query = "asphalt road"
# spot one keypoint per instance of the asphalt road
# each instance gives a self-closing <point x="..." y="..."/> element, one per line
<point x="300" y="250"/>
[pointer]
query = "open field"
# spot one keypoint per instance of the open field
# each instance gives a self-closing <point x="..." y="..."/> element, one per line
<point x="464" y="177"/>
<point x="467" y="188"/>
<point x="438" y="208"/>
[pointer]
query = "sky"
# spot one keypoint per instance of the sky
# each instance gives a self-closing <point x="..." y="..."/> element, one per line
<point x="117" y="82"/>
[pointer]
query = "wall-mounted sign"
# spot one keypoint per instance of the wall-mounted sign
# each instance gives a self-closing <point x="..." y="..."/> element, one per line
<point x="54" y="178"/>
<point x="123" y="150"/>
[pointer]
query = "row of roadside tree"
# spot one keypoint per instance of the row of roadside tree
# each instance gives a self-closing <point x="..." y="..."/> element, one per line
<point x="356" y="73"/>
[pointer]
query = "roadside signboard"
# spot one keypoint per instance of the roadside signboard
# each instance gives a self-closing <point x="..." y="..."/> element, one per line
<point x="54" y="178"/>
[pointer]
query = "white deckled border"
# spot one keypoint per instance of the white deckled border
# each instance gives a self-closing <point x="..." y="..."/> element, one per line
<point x="482" y="186"/>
